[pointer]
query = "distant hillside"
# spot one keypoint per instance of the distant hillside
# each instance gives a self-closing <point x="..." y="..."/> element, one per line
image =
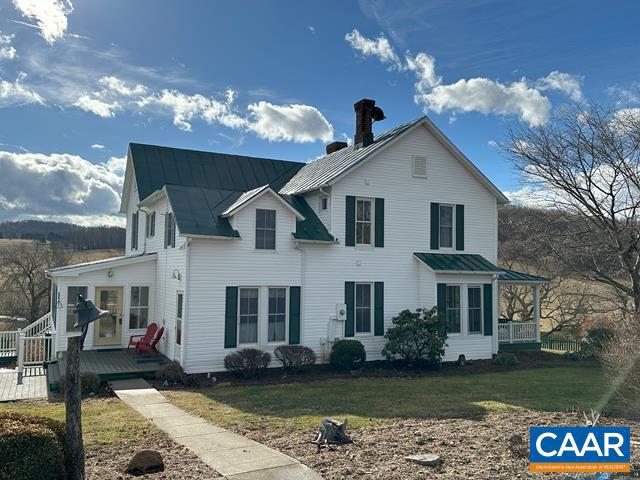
<point x="71" y="236"/>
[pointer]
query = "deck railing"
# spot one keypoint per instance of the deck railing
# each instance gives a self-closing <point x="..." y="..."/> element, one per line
<point x="8" y="344"/>
<point x="517" y="332"/>
<point x="39" y="327"/>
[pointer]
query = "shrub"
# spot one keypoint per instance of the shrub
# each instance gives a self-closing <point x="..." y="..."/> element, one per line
<point x="248" y="362"/>
<point x="506" y="359"/>
<point x="348" y="355"/>
<point x="294" y="358"/>
<point x="173" y="374"/>
<point x="31" y="448"/>
<point x="89" y="383"/>
<point x="462" y="360"/>
<point x="418" y="337"/>
<point x="597" y="338"/>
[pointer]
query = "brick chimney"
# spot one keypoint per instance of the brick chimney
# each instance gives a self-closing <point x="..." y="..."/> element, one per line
<point x="364" y="132"/>
<point x="335" y="146"/>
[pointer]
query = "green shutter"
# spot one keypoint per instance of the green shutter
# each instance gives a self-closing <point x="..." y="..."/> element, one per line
<point x="442" y="299"/>
<point x="350" y="219"/>
<point x="349" y="299"/>
<point x="294" y="315"/>
<point x="379" y="219"/>
<point x="231" y="318"/>
<point x="459" y="227"/>
<point x="378" y="299"/>
<point x="435" y="226"/>
<point x="488" y="309"/>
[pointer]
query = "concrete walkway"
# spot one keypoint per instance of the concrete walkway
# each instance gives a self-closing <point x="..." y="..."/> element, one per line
<point x="34" y="384"/>
<point x="231" y="455"/>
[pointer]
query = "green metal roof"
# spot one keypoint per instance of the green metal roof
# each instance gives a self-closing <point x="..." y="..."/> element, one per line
<point x="519" y="277"/>
<point x="156" y="166"/>
<point x="311" y="228"/>
<point x="457" y="262"/>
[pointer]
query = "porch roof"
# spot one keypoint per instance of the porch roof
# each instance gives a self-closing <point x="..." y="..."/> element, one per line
<point x="75" y="270"/>
<point x="457" y="263"/>
<point x="511" y="276"/>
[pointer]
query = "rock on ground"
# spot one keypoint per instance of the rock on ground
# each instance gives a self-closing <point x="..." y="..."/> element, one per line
<point x="145" y="461"/>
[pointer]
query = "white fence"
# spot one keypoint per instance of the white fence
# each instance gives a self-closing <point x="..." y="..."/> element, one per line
<point x="8" y="344"/>
<point x="517" y="332"/>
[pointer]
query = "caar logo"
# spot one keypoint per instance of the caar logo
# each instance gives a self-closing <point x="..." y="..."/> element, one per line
<point x="579" y="449"/>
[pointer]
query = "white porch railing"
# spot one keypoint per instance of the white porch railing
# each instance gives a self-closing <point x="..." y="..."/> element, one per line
<point x="8" y="344"/>
<point x="517" y="332"/>
<point x="39" y="327"/>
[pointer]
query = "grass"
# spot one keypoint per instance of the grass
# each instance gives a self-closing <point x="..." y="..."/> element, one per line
<point x="104" y="420"/>
<point x="366" y="401"/>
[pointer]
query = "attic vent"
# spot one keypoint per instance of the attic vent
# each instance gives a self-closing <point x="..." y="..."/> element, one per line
<point x="420" y="167"/>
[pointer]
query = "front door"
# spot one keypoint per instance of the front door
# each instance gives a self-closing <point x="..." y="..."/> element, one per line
<point x="108" y="331"/>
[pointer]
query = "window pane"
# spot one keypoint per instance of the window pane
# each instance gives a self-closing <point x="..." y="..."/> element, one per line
<point x="179" y="309"/>
<point x="446" y="237"/>
<point x="143" y="318"/>
<point x="270" y="239"/>
<point x="446" y="215"/>
<point x="72" y="299"/>
<point x="260" y="218"/>
<point x="452" y="303"/>
<point x="248" y="329"/>
<point x="135" y="296"/>
<point x="270" y="219"/>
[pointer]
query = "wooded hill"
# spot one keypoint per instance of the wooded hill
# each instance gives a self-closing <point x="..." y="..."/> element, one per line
<point x="71" y="236"/>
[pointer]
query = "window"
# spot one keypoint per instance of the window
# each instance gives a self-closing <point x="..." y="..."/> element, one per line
<point x="474" y="307"/>
<point x="248" y="316"/>
<point x="419" y="167"/>
<point x="170" y="230"/>
<point x="265" y="229"/>
<point x="363" y="308"/>
<point x="324" y="202"/>
<point x="151" y="224"/>
<point x="277" y="314"/>
<point x="72" y="299"/>
<point x="179" y="306"/>
<point x="452" y="308"/>
<point x="134" y="231"/>
<point x="446" y="226"/>
<point x="139" y="308"/>
<point x="363" y="222"/>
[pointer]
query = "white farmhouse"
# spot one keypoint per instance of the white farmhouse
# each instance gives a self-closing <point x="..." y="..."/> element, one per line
<point x="227" y="251"/>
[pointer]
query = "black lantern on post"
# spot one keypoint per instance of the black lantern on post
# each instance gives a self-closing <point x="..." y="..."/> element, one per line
<point x="86" y="313"/>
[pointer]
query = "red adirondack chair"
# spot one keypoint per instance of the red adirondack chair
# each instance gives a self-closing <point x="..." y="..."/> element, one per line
<point x="149" y="346"/>
<point x="135" y="340"/>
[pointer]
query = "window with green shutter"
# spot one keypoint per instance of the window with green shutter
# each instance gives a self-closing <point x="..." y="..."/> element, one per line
<point x="435" y="226"/>
<point x="459" y="227"/>
<point x="294" y="315"/>
<point x="349" y="300"/>
<point x="378" y="298"/>
<point x="379" y="222"/>
<point x="231" y="318"/>
<point x="488" y="309"/>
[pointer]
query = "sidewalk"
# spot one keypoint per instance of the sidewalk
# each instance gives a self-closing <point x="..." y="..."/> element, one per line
<point x="231" y="455"/>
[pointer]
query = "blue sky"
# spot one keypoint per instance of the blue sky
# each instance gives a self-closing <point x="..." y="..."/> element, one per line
<point x="80" y="80"/>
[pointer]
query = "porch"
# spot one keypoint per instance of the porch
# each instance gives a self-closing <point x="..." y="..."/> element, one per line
<point x="108" y="365"/>
<point x="514" y="301"/>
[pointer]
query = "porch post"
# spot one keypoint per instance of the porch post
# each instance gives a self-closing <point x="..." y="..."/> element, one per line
<point x="536" y="309"/>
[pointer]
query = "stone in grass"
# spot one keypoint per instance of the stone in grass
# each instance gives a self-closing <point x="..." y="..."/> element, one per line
<point x="145" y="461"/>
<point x="426" y="459"/>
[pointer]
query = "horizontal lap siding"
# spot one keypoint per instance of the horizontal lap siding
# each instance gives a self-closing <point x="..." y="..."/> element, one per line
<point x="216" y="264"/>
<point x="141" y="274"/>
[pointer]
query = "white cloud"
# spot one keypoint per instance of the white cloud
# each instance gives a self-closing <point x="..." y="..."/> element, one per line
<point x="7" y="51"/>
<point x="312" y="29"/>
<point x="119" y="87"/>
<point x="185" y="108"/>
<point x="50" y="16"/>
<point x="60" y="185"/>
<point x="531" y="197"/>
<point x="97" y="146"/>
<point x="297" y="123"/>
<point x="97" y="106"/>
<point x="16" y="93"/>
<point x="492" y="144"/>
<point x="378" y="47"/>
<point x="489" y="97"/>
<point x="522" y="98"/>
<point x="563" y="82"/>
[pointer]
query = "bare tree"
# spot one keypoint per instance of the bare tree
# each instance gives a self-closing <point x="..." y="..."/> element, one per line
<point x="24" y="289"/>
<point x="585" y="164"/>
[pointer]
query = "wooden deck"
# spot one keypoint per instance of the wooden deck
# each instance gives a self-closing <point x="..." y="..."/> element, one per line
<point x="109" y="365"/>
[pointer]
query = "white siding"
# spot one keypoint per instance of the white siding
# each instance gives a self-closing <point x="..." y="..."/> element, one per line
<point x="141" y="274"/>
<point x="216" y="264"/>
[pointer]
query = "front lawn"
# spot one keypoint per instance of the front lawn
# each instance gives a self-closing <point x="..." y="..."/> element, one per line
<point x="366" y="401"/>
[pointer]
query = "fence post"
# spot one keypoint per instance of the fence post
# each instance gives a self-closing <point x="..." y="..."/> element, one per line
<point x="20" y="353"/>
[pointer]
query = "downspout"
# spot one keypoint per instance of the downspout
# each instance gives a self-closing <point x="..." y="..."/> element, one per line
<point x="302" y="294"/>
<point x="185" y="300"/>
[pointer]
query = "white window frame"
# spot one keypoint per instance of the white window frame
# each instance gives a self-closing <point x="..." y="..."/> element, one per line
<point x="413" y="166"/>
<point x="179" y="318"/>
<point x="479" y="287"/>
<point x="453" y="226"/>
<point x="371" y="221"/>
<point x="460" y="308"/>
<point x="355" y="309"/>
<point x="258" y="315"/>
<point x="275" y="230"/>
<point x="286" y="316"/>
<point x="151" y="224"/>
<point x="139" y="307"/>
<point x="71" y="302"/>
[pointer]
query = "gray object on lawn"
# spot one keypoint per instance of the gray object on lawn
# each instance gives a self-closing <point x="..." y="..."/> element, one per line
<point x="332" y="431"/>
<point x="426" y="459"/>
